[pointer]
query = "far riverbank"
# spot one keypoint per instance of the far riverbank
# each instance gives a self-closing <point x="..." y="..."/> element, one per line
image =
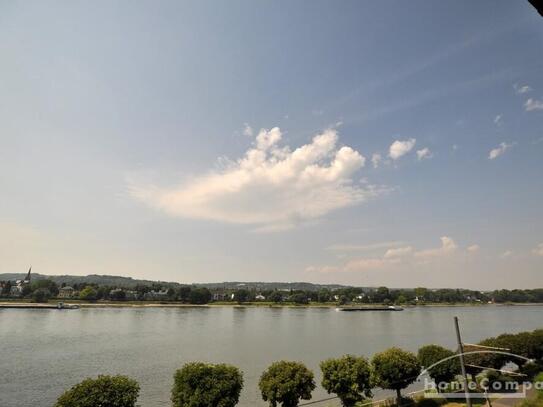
<point x="164" y="304"/>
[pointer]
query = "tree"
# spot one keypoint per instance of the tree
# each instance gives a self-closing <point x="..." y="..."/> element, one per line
<point x="382" y="294"/>
<point x="6" y="288"/>
<point x="401" y="299"/>
<point x="286" y="383"/>
<point x="323" y="295"/>
<point x="420" y="293"/>
<point x="444" y="371"/>
<point x="200" y="384"/>
<point x="26" y="290"/>
<point x="184" y="293"/>
<point x="241" y="295"/>
<point x="41" y="295"/>
<point x="395" y="369"/>
<point x="487" y="359"/>
<point x="299" y="298"/>
<point x="349" y="377"/>
<point x="276" y="297"/>
<point x="171" y="293"/>
<point x="117" y="295"/>
<point x="47" y="284"/>
<point x="199" y="296"/>
<point x="105" y="391"/>
<point x="88" y="294"/>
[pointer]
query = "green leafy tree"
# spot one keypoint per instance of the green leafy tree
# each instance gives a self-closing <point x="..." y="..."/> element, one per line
<point x="88" y="294"/>
<point x="349" y="377"/>
<point x="205" y="385"/>
<point x="241" y="295"/>
<point x="199" y="295"/>
<point x="104" y="391"/>
<point x="420" y="293"/>
<point x="171" y="293"/>
<point x="488" y="359"/>
<point x="445" y="369"/>
<point x="117" y="295"/>
<point x="6" y="288"/>
<point x="276" y="297"/>
<point x="299" y="298"/>
<point x="324" y="295"/>
<point x="401" y="299"/>
<point x="47" y="284"/>
<point x="26" y="290"/>
<point x="41" y="295"/>
<point x="395" y="369"/>
<point x="286" y="383"/>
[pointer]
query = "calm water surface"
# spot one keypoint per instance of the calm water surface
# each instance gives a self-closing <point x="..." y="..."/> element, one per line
<point x="44" y="352"/>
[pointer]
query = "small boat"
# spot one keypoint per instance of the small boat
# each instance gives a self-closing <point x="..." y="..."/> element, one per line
<point x="30" y="305"/>
<point x="61" y="305"/>
<point x="383" y="308"/>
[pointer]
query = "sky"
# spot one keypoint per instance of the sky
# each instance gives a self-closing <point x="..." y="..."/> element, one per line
<point x="364" y="143"/>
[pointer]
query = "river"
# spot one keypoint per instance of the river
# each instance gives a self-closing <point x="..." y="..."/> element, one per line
<point x="44" y="352"/>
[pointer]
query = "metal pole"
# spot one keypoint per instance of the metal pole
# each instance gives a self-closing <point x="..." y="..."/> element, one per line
<point x="462" y="365"/>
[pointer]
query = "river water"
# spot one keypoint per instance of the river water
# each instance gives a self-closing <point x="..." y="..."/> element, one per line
<point x="44" y="352"/>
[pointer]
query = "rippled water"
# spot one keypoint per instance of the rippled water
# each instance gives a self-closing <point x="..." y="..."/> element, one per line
<point x="44" y="352"/>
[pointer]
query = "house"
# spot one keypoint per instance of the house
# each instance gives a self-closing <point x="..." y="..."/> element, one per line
<point x="260" y="297"/>
<point x="220" y="297"/>
<point x="66" y="292"/>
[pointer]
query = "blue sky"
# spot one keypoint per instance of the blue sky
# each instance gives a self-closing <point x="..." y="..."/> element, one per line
<point x="402" y="142"/>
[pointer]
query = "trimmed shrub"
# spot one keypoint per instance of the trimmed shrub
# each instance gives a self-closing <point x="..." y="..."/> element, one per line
<point x="445" y="369"/>
<point x="286" y="383"/>
<point x="104" y="391"/>
<point x="349" y="377"/>
<point x="200" y="384"/>
<point x="395" y="369"/>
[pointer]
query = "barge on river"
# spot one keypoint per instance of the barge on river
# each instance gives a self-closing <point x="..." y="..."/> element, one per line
<point x="384" y="308"/>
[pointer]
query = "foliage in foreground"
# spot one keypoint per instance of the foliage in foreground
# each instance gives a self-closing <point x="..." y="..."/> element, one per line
<point x="445" y="369"/>
<point x="205" y="385"/>
<point x="104" y="391"/>
<point x="395" y="369"/>
<point x="286" y="383"/>
<point x="349" y="377"/>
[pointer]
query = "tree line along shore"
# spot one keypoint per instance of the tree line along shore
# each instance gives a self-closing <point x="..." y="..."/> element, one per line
<point x="43" y="290"/>
<point x="350" y="379"/>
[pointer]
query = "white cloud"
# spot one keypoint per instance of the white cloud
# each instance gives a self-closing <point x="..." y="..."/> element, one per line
<point x="400" y="148"/>
<point x="399" y="252"/>
<point x="363" y="247"/>
<point x="271" y="187"/>
<point x="506" y="254"/>
<point x="448" y="246"/>
<point x="247" y="130"/>
<point x="538" y="251"/>
<point x="533" y="104"/>
<point x="496" y="152"/>
<point x="376" y="159"/>
<point x="474" y="248"/>
<point x="392" y="258"/>
<point x="424" y="153"/>
<point x="522" y="89"/>
<point x="498" y="120"/>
